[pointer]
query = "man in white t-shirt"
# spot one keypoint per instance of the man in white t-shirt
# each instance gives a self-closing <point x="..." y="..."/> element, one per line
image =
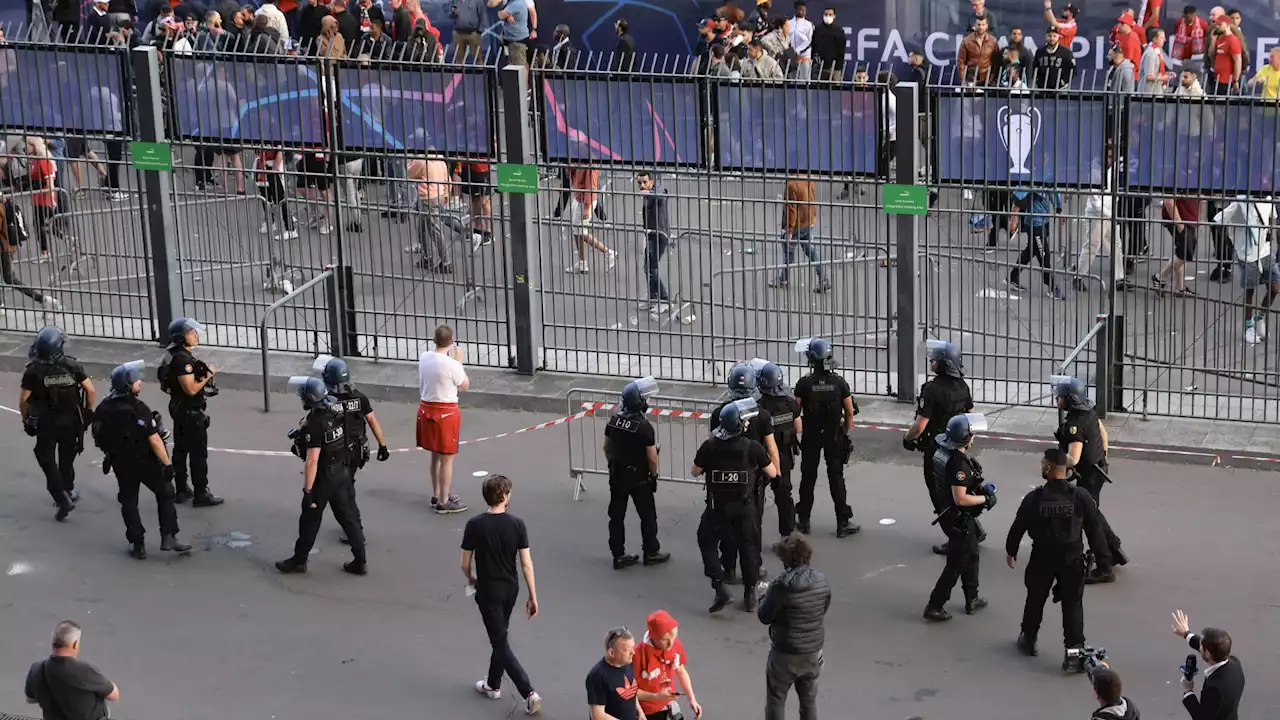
<point x="440" y="378"/>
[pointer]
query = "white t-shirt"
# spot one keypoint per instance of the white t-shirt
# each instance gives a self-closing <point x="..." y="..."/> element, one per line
<point x="439" y="377"/>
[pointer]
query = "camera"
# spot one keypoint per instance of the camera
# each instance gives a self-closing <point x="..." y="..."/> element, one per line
<point x="1086" y="659"/>
<point x="1188" y="668"/>
<point x="295" y="445"/>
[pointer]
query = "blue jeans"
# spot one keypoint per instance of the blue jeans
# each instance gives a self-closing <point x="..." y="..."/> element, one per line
<point x="800" y="237"/>
<point x="398" y="175"/>
<point x="655" y="246"/>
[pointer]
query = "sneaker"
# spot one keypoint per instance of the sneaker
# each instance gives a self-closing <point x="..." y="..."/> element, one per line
<point x="51" y="303"/>
<point x="611" y="259"/>
<point x="1260" y="327"/>
<point x="532" y="704"/>
<point x="483" y="688"/>
<point x="434" y="502"/>
<point x="445" y="268"/>
<point x="262" y="229"/>
<point x="660" y="309"/>
<point x="1251" y="335"/>
<point x="287" y="235"/>
<point x="776" y="283"/>
<point x="1125" y="286"/>
<point x="326" y="229"/>
<point x="1055" y="293"/>
<point x="933" y="614"/>
<point x="1185" y="292"/>
<point x="579" y="267"/>
<point x="115" y="196"/>
<point x="453" y="506"/>
<point x="411" y="248"/>
<point x="657" y="558"/>
<point x="822" y="287"/>
<point x="625" y="561"/>
<point x="1016" y="285"/>
<point x="987" y="250"/>
<point x="844" y="193"/>
<point x="974" y="605"/>
<point x="645" y="304"/>
<point x="425" y="263"/>
<point x="1156" y="282"/>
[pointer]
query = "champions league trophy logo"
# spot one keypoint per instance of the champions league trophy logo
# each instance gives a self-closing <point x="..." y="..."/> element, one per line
<point x="1019" y="130"/>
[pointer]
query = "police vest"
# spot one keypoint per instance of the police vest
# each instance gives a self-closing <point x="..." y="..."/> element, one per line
<point x="940" y="487"/>
<point x="951" y="397"/>
<point x="1059" y="523"/>
<point x="783" y="419"/>
<point x="354" y="425"/>
<point x="58" y="393"/>
<point x="169" y="381"/>
<point x="824" y="407"/>
<point x="629" y="460"/>
<point x="328" y="423"/>
<point x="731" y="481"/>
<point x="121" y="427"/>
<point x="1086" y="423"/>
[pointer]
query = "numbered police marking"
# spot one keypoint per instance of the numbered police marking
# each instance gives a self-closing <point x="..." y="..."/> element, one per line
<point x="729" y="477"/>
<point x="624" y="424"/>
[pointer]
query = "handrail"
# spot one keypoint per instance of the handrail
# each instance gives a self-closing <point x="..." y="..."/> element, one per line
<point x="1079" y="348"/>
<point x="262" y="328"/>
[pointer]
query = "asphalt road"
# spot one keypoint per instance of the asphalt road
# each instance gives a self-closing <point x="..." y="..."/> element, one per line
<point x="220" y="634"/>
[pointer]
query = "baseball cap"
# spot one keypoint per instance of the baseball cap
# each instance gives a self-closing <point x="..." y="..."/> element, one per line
<point x="1071" y="8"/>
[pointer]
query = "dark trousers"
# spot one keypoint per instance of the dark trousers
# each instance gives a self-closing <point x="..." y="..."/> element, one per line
<point x="1043" y="570"/>
<point x="729" y="551"/>
<point x="333" y="490"/>
<point x="130" y="479"/>
<point x="828" y="445"/>
<point x="115" y="156"/>
<point x="1132" y="211"/>
<point x="1224" y="250"/>
<point x="962" y="560"/>
<point x="204" y="164"/>
<point x="11" y="278"/>
<point x="191" y="443"/>
<point x="733" y="523"/>
<point x="654" y="248"/>
<point x="1038" y="247"/>
<point x="495" y="611"/>
<point x="782" y="495"/>
<point x="45" y="229"/>
<point x="641" y="494"/>
<point x="56" y="448"/>
<point x="1093" y="482"/>
<point x="785" y="670"/>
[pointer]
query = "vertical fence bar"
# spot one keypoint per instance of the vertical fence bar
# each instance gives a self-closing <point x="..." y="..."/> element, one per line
<point x="525" y="263"/>
<point x="157" y="189"/>
<point x="907" y="229"/>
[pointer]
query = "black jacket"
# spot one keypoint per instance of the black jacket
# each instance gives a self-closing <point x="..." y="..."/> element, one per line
<point x="793" y="608"/>
<point x="654" y="212"/>
<point x="348" y="28"/>
<point x="1220" y="695"/>
<point x="829" y="44"/>
<point x="624" y="53"/>
<point x="309" y="17"/>
<point x="1123" y="710"/>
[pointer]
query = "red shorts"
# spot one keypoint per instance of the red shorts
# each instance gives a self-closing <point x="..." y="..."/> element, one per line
<point x="438" y="427"/>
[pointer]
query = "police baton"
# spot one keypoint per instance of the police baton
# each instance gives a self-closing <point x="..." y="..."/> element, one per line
<point x="1103" y="473"/>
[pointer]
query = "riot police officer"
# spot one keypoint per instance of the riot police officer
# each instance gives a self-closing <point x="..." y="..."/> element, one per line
<point x="1057" y="516"/>
<point x="56" y="398"/>
<point x="958" y="496"/>
<point x="784" y="413"/>
<point x="132" y="439"/>
<point x="1083" y="437"/>
<point x="742" y="385"/>
<point x="941" y="398"/>
<point x="827" y="409"/>
<point x="188" y="381"/>
<point x="357" y="412"/>
<point x="320" y="440"/>
<point x="630" y="446"/>
<point x="731" y="461"/>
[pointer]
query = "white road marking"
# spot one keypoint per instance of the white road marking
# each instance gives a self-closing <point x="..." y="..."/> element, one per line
<point x="887" y="568"/>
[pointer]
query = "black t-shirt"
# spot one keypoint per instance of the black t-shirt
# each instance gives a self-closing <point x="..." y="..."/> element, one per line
<point x="717" y="454"/>
<point x="495" y="539"/>
<point x="821" y="397"/>
<point x="758" y="427"/>
<point x="125" y="424"/>
<point x="54" y="386"/>
<point x="355" y="408"/>
<point x="68" y="689"/>
<point x="182" y="362"/>
<point x="614" y="688"/>
<point x="629" y="437"/>
<point x="941" y="399"/>
<point x="958" y="472"/>
<point x="1081" y="426"/>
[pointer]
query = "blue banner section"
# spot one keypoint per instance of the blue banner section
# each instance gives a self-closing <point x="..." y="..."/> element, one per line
<point x="1012" y="137"/>
<point x="419" y="110"/>
<point x="1206" y="146"/>
<point x="77" y="90"/>
<point x="652" y="122"/>
<point x="801" y="128"/>
<point x="269" y="102"/>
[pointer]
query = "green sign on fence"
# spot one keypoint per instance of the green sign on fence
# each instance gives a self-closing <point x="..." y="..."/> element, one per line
<point x="905" y="200"/>
<point x="151" y="156"/>
<point x="517" y="178"/>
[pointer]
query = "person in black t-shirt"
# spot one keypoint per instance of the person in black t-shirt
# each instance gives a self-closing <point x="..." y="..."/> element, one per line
<point x="66" y="688"/>
<point x="611" y="685"/>
<point x="494" y="540"/>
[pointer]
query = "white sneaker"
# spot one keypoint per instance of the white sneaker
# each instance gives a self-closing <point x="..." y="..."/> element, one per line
<point x="51" y="303"/>
<point x="612" y="259"/>
<point x="1260" y="327"/>
<point x="660" y="309"/>
<point x="263" y="228"/>
<point x="579" y="267"/>
<point x="1251" y="335"/>
<point x="326" y="229"/>
<point x="411" y="249"/>
<point x="532" y="704"/>
<point x="287" y="235"/>
<point x="645" y="304"/>
<point x="483" y="688"/>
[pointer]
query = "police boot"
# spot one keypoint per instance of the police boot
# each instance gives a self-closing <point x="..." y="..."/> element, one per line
<point x="1072" y="664"/>
<point x="74" y="495"/>
<point x="942" y="549"/>
<point x="182" y="494"/>
<point x="722" y="598"/>
<point x="356" y="567"/>
<point x="802" y="526"/>
<point x="731" y="577"/>
<point x="974" y="605"/>
<point x="138" y="550"/>
<point x="749" y="599"/>
<point x="656" y="558"/>
<point x="292" y="565"/>
<point x="1026" y="645"/>
<point x="1117" y="556"/>
<point x="625" y="561"/>
<point x="65" y="506"/>
<point x="1100" y="577"/>
<point x="845" y="528"/>
<point x="206" y="499"/>
<point x="171" y="543"/>
<point x="936" y="614"/>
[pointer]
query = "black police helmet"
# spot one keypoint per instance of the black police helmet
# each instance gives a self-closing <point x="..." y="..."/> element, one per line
<point x="310" y="389"/>
<point x="819" y="352"/>
<point x="960" y="428"/>
<point x="1072" y="388"/>
<point x="179" y="328"/>
<point x="124" y="376"/>
<point x="731" y="422"/>
<point x="336" y="373"/>
<point x="48" y="344"/>
<point x="771" y="380"/>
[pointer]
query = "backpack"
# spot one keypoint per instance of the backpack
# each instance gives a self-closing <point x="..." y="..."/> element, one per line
<point x="16" y="224"/>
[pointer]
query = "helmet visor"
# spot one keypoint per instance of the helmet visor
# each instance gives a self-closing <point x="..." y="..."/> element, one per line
<point x="934" y="347"/>
<point x="647" y="386"/>
<point x="297" y="384"/>
<point x="977" y="422"/>
<point x="320" y="362"/>
<point x="747" y="408"/>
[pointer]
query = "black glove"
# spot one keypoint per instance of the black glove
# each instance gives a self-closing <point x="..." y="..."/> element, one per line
<point x="795" y="448"/>
<point x="106" y="464"/>
<point x="910" y="443"/>
<point x="383" y="453"/>
<point x="166" y="473"/>
<point x="307" y="503"/>
<point x="856" y="410"/>
<point x="990" y="503"/>
<point x="30" y="426"/>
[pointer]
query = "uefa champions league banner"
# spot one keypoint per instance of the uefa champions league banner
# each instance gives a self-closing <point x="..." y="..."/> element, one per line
<point x="802" y="128"/>
<point x="414" y="110"/>
<point x="272" y="101"/>
<point x="1209" y="146"/>
<point x="73" y="89"/>
<point x="654" y="122"/>
<point x="1015" y="137"/>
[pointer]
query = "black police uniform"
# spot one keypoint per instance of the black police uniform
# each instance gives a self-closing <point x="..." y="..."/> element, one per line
<point x="1057" y="516"/>
<point x="1082" y="426"/>
<point x="630" y="434"/>
<point x="822" y="394"/>
<point x="190" y="420"/>
<point x="356" y="409"/>
<point x="57" y="411"/>
<point x="324" y="428"/>
<point x="758" y="428"/>
<point x="783" y="411"/>
<point x="953" y="468"/>
<point x="941" y="399"/>
<point x="122" y="427"/>
<point x="730" y="516"/>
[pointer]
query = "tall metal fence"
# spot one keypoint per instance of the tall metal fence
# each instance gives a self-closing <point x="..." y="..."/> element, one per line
<point x="663" y="218"/>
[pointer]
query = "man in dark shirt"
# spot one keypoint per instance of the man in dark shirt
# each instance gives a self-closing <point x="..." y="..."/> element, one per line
<point x="829" y="44"/>
<point x="611" y="685"/>
<point x="66" y="688"/>
<point x="494" y="540"/>
<point x="624" y="53"/>
<point x="1054" y="64"/>
<point x="657" y="227"/>
<point x="794" y="608"/>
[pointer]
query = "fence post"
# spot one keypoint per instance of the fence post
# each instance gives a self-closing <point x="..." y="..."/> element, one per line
<point x="1102" y="376"/>
<point x="157" y="189"/>
<point x="336" y="328"/>
<point x="525" y="263"/>
<point x="907" y="231"/>
<point x="1115" y="388"/>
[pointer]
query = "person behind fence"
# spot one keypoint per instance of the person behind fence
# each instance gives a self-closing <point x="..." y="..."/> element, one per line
<point x="784" y="412"/>
<point x="320" y="441"/>
<point x="631" y="448"/>
<point x="826" y="410"/>
<point x="1057" y="516"/>
<point x="431" y="176"/>
<point x="64" y="686"/>
<point x="1247" y="225"/>
<point x="268" y="175"/>
<point x="1181" y="218"/>
<point x="584" y="183"/>
<point x="799" y="219"/>
<point x="43" y="173"/>
<point x="657" y="230"/>
<point x="357" y="412"/>
<point x="1038" y="209"/>
<point x="943" y="397"/>
<point x="794" y="607"/>
<point x="1101" y="232"/>
<point x="189" y="382"/>
<point x="132" y="438"/>
<point x="1083" y="437"/>
<point x="55" y="400"/>
<point x="959" y="495"/>
<point x="730" y="459"/>
<point x="13" y="233"/>
<point x="742" y="385"/>
<point x="1055" y="64"/>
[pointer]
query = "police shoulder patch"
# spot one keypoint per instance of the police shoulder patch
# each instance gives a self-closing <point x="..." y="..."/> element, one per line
<point x="960" y="476"/>
<point x="1073" y="430"/>
<point x="187" y="369"/>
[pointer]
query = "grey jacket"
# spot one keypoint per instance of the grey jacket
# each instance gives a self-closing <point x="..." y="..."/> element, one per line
<point x="1150" y="65"/>
<point x="1120" y="78"/>
<point x="794" y="607"/>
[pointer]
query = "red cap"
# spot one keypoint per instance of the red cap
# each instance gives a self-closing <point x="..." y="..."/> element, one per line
<point x="660" y="623"/>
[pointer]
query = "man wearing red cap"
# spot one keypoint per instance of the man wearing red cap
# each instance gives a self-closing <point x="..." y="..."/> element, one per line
<point x="659" y="662"/>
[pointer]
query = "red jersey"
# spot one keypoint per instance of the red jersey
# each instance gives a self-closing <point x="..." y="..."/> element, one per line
<point x="1066" y="32"/>
<point x="1225" y="49"/>
<point x="1188" y="209"/>
<point x="1188" y="37"/>
<point x="1125" y="18"/>
<point x="656" y="671"/>
<point x="1149" y="13"/>
<point x="270" y="161"/>
<point x="1132" y="48"/>
<point x="44" y="174"/>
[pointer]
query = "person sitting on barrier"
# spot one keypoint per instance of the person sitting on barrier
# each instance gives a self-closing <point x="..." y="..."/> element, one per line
<point x="632" y="451"/>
